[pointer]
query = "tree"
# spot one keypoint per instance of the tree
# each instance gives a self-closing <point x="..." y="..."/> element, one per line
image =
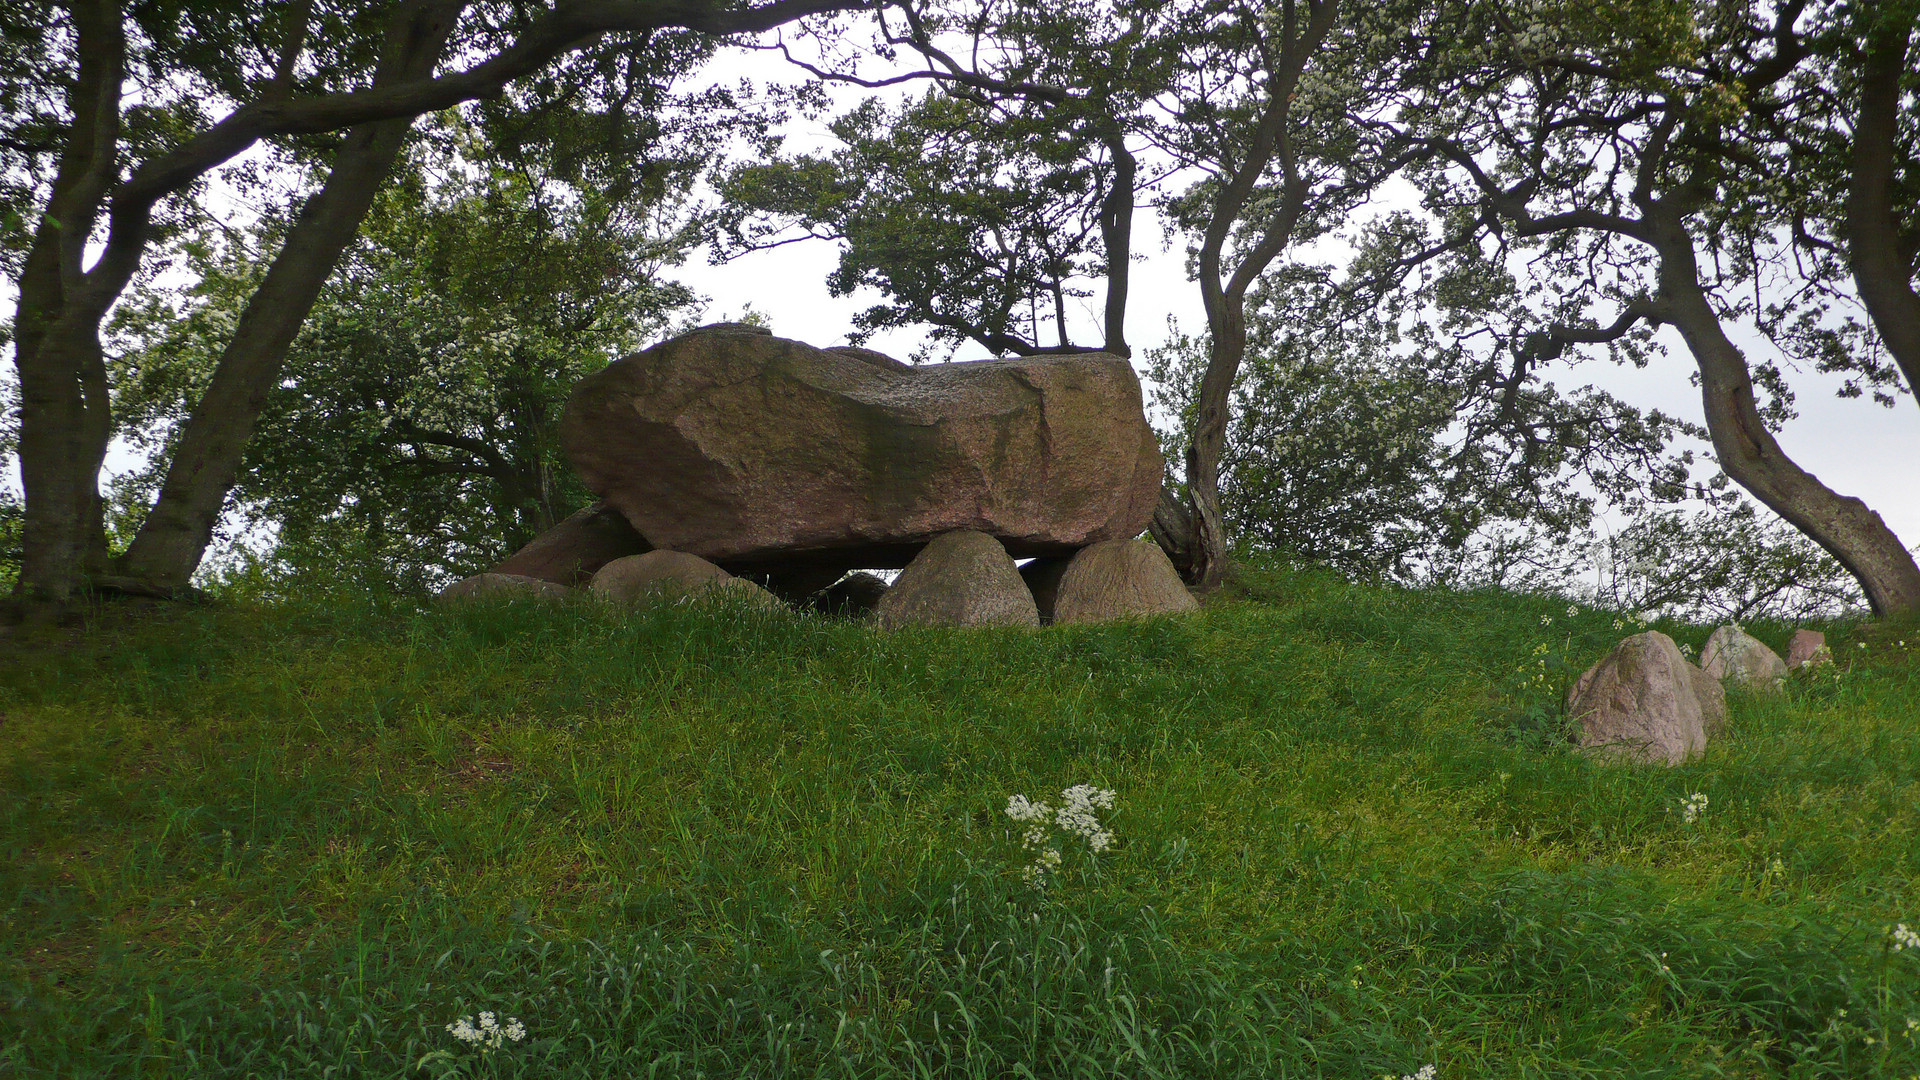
<point x="1597" y="135"/>
<point x="415" y="426"/>
<point x="1272" y="108"/>
<point x="965" y="221"/>
<point x="1725" y="562"/>
<point x="1379" y="445"/>
<point x="1840" y="144"/>
<point x="993" y="199"/>
<point x="116" y="167"/>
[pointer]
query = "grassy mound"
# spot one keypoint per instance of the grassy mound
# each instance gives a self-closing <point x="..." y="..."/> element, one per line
<point x="1350" y="840"/>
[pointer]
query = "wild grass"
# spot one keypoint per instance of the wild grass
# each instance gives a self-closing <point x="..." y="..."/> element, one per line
<point x="1350" y="841"/>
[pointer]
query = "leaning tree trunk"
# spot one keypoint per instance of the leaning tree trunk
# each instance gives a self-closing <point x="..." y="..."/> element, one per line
<point x="1172" y="528"/>
<point x="1225" y="297"/>
<point x="1881" y="270"/>
<point x="1850" y="531"/>
<point x="65" y="418"/>
<point x="174" y="537"/>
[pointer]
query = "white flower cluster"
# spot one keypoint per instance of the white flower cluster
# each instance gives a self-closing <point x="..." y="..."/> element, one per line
<point x="1692" y="807"/>
<point x="1638" y="619"/>
<point x="1076" y="816"/>
<point x="1425" y="1072"/>
<point x="490" y="1035"/>
<point x="1904" y="937"/>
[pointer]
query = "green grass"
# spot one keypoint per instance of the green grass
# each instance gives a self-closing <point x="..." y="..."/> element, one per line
<point x="686" y="842"/>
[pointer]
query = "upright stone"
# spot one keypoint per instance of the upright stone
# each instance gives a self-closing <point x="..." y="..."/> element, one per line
<point x="1808" y="649"/>
<point x="960" y="579"/>
<point x="572" y="551"/>
<point x="1713" y="701"/>
<point x="1120" y="579"/>
<point x="759" y="453"/>
<point x="490" y="586"/>
<point x="654" y="575"/>
<point x="801" y="585"/>
<point x="856" y="596"/>
<point x="1733" y="654"/>
<point x="1640" y="702"/>
<point x="1043" y="581"/>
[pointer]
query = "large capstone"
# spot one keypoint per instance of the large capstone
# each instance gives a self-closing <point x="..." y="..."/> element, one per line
<point x="758" y="453"/>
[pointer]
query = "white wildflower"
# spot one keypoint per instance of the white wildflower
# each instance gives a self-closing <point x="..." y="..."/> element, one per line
<point x="1077" y="816"/>
<point x="489" y="1034"/>
<point x="1020" y="809"/>
<point x="1904" y="938"/>
<point x="1692" y="807"/>
<point x="1424" y="1072"/>
<point x="1572" y="610"/>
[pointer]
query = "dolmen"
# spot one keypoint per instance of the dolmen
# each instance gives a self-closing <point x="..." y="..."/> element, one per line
<point x="797" y="469"/>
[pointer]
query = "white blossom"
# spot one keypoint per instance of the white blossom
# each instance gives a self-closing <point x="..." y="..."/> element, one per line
<point x="1020" y="809"/>
<point x="1077" y="816"/>
<point x="489" y="1035"/>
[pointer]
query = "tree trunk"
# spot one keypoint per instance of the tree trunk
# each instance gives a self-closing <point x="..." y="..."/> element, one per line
<point x="1225" y="298"/>
<point x="174" y="537"/>
<point x="1881" y="272"/>
<point x="1849" y="531"/>
<point x="1116" y="235"/>
<point x="65" y="420"/>
<point x="1213" y="405"/>
<point x="1172" y="528"/>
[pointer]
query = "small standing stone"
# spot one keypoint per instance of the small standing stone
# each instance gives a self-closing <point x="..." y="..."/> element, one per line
<point x="1808" y="649"/>
<point x="854" y="596"/>
<point x="1642" y="701"/>
<point x="1043" y="576"/>
<point x="654" y="575"/>
<point x="1732" y="653"/>
<point x="1713" y="701"/>
<point x="572" y="551"/>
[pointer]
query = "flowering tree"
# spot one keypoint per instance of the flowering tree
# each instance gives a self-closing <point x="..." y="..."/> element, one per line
<point x="1381" y="449"/>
